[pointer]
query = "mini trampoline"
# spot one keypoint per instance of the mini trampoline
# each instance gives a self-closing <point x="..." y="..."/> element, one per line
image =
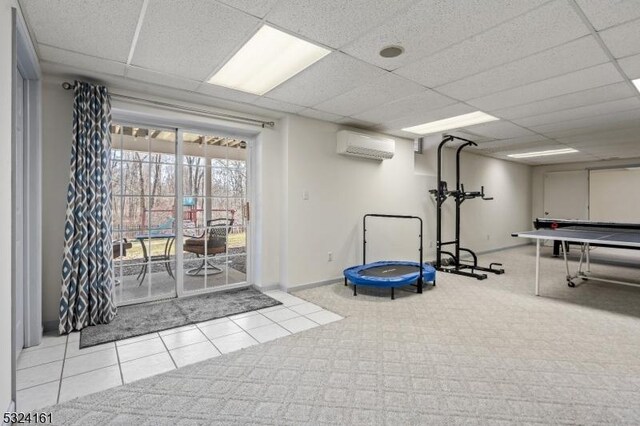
<point x="389" y="274"/>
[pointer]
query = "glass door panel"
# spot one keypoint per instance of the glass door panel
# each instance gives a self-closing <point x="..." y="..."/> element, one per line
<point x="213" y="176"/>
<point x="143" y="164"/>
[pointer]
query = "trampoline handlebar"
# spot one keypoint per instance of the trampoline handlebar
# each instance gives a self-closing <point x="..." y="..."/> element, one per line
<point x="397" y="216"/>
<point x="393" y="216"/>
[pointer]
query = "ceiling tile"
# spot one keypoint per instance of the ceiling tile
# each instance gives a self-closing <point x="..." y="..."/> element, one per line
<point x="607" y="13"/>
<point x="321" y="115"/>
<point x="432" y="25"/>
<point x="511" y="143"/>
<point x="467" y="134"/>
<point x="631" y="149"/>
<point x="418" y="116"/>
<point x="352" y="122"/>
<point x="626" y="121"/>
<point x="631" y="66"/>
<point x="190" y="38"/>
<point x="94" y="27"/>
<point x="125" y="86"/>
<point x="257" y="8"/>
<point x="603" y="141"/>
<point x="334" y="74"/>
<point x="153" y="77"/>
<point x="603" y="137"/>
<point x="91" y="63"/>
<point x="548" y="26"/>
<point x="410" y="108"/>
<point x="499" y="130"/>
<point x="600" y="94"/>
<point x="333" y="23"/>
<point x="226" y="93"/>
<point x="599" y="75"/>
<point x="581" y="112"/>
<point x="278" y="105"/>
<point x="387" y="88"/>
<point x="542" y="145"/>
<point x="601" y="120"/>
<point x="623" y="40"/>
<point x="573" y="56"/>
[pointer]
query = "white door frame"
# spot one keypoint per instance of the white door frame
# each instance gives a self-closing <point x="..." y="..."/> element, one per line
<point x="25" y="61"/>
<point x="18" y="221"/>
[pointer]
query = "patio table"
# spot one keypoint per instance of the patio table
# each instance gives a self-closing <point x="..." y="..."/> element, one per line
<point x="148" y="257"/>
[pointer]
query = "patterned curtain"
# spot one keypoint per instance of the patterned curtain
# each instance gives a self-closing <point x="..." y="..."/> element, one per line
<point x="87" y="280"/>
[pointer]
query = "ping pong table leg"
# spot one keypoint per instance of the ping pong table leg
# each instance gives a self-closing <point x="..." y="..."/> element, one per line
<point x="566" y="264"/>
<point x="588" y="260"/>
<point x="537" y="266"/>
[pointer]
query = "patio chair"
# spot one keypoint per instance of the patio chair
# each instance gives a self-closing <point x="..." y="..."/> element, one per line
<point x="120" y="248"/>
<point x="211" y="242"/>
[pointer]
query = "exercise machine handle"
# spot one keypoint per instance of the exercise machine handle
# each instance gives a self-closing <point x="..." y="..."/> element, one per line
<point x="483" y="197"/>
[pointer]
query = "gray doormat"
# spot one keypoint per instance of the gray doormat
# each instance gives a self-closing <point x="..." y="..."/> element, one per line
<point x="136" y="320"/>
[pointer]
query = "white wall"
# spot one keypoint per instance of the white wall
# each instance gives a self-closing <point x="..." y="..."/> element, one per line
<point x="487" y="225"/>
<point x="342" y="189"/>
<point x="6" y="297"/>
<point x="295" y="235"/>
<point x="56" y="153"/>
<point x="539" y="172"/>
<point x="614" y="195"/>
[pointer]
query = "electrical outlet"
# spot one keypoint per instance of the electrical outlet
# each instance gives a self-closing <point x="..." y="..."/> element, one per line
<point x="305" y="195"/>
<point x="488" y="237"/>
<point x="330" y="256"/>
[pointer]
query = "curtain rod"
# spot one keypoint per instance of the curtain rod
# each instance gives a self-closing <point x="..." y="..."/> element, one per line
<point x="229" y="117"/>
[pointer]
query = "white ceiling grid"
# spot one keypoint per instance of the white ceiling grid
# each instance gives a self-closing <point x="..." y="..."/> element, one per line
<point x="556" y="72"/>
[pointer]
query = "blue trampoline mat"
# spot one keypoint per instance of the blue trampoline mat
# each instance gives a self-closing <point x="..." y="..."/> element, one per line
<point x="388" y="274"/>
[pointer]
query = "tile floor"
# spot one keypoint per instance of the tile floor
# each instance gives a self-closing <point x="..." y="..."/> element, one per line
<point x="57" y="370"/>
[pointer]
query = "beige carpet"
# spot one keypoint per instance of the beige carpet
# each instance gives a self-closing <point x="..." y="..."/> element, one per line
<point x="464" y="352"/>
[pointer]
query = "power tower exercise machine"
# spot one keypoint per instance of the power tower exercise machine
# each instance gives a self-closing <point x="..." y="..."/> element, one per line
<point x="455" y="265"/>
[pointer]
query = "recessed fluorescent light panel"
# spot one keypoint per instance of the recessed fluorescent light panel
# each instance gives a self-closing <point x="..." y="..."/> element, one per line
<point x="543" y="153"/>
<point x="451" y="123"/>
<point x="269" y="58"/>
<point x="636" y="82"/>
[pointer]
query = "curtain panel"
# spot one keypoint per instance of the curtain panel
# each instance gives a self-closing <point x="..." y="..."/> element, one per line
<point x="87" y="279"/>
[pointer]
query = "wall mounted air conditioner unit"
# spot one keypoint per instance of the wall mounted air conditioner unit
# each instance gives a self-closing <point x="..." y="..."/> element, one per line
<point x="361" y="145"/>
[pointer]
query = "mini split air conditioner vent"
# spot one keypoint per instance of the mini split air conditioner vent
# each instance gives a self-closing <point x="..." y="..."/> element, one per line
<point x="361" y="145"/>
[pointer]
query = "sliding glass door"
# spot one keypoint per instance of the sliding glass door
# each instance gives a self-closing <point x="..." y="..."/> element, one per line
<point x="179" y="212"/>
<point x="214" y="175"/>
<point x="143" y="165"/>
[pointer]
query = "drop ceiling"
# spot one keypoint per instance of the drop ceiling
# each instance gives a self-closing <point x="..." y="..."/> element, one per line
<point x="557" y="73"/>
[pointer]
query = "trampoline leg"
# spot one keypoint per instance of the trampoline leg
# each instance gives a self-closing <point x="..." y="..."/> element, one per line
<point x="434" y="282"/>
<point x="345" y="281"/>
<point x="392" y="295"/>
<point x="355" y="293"/>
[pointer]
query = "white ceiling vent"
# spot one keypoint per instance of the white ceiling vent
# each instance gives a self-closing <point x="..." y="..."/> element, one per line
<point x="361" y="145"/>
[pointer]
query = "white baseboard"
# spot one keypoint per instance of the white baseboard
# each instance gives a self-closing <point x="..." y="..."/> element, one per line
<point x="315" y="284"/>
<point x="503" y="248"/>
<point x="268" y="287"/>
<point x="340" y="279"/>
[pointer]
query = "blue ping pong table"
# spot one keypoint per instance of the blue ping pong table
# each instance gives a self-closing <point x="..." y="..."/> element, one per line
<point x="585" y="237"/>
